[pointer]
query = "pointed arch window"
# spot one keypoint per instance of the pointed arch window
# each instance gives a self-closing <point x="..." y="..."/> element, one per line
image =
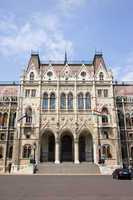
<point x="5" y="117"/>
<point x="106" y="151"/>
<point x="128" y="120"/>
<point x="1" y="119"/>
<point x="29" y="115"/>
<point x="10" y="152"/>
<point x="63" y="101"/>
<point x="1" y="152"/>
<point x="70" y="101"/>
<point x="101" y="76"/>
<point x="27" y="151"/>
<point x="87" y="101"/>
<point x="52" y="101"/>
<point x="32" y="76"/>
<point x="45" y="101"/>
<point x="80" y="101"/>
<point x="104" y="115"/>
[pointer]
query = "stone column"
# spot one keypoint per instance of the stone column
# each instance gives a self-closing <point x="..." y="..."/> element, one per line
<point x="76" y="151"/>
<point x="57" y="151"/>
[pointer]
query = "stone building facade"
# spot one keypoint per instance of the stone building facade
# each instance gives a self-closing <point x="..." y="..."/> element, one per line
<point x="124" y="104"/>
<point x="65" y="112"/>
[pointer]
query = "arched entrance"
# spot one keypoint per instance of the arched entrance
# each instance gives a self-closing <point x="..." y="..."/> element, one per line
<point x="67" y="147"/>
<point x="85" y="147"/>
<point x="47" y="153"/>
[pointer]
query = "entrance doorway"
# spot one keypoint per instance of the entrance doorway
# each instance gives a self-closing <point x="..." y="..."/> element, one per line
<point x="47" y="148"/>
<point x="67" y="148"/>
<point x="85" y="148"/>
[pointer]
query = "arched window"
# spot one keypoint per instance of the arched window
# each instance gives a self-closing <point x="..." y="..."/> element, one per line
<point x="5" y="117"/>
<point x="132" y="152"/>
<point x="32" y="76"/>
<point x="87" y="101"/>
<point x="104" y="115"/>
<point x="80" y="101"/>
<point x="45" y="101"/>
<point x="63" y="101"/>
<point x="106" y="151"/>
<point x="29" y="115"/>
<point x="27" y="151"/>
<point x="1" y="152"/>
<point x="1" y="119"/>
<point x="128" y="120"/>
<point x="70" y="101"/>
<point x="52" y="101"/>
<point x="101" y="76"/>
<point x="12" y="119"/>
<point x="10" y="152"/>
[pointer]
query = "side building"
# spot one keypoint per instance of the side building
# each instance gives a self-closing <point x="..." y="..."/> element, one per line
<point x="8" y="110"/>
<point x="124" y="104"/>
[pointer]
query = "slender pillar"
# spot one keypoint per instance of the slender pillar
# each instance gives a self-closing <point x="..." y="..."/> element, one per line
<point x="57" y="151"/>
<point x="76" y="152"/>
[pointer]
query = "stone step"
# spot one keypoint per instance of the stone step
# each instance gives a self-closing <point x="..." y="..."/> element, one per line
<point x="68" y="168"/>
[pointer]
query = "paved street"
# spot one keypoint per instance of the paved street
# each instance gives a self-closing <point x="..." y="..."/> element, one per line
<point x="64" y="188"/>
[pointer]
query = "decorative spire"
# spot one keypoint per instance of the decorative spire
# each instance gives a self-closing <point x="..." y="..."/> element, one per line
<point x="65" y="61"/>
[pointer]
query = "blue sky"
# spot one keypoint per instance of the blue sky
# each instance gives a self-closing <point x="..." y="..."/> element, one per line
<point x="79" y="26"/>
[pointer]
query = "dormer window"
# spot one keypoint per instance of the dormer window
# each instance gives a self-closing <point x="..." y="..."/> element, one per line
<point x="32" y="76"/>
<point x="101" y="76"/>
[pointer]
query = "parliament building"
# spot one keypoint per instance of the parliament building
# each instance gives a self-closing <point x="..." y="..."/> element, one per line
<point x="65" y="112"/>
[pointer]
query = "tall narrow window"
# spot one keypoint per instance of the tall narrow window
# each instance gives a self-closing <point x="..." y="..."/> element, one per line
<point x="101" y="76"/>
<point x="45" y="101"/>
<point x="132" y="152"/>
<point x="87" y="101"/>
<point x="10" y="152"/>
<point x="80" y="101"/>
<point x="27" y="151"/>
<point x="104" y="115"/>
<point x="52" y="101"/>
<point x="32" y="76"/>
<point x="29" y="115"/>
<point x="5" y="117"/>
<point x="70" y="101"/>
<point x="63" y="101"/>
<point x="1" y="119"/>
<point x="1" y="152"/>
<point x="106" y="151"/>
<point x="105" y="93"/>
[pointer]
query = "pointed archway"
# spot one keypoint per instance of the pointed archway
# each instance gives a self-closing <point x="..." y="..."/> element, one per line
<point x="67" y="148"/>
<point x="85" y="147"/>
<point x="47" y="153"/>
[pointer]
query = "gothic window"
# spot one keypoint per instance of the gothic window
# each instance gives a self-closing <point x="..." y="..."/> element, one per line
<point x="27" y="151"/>
<point x="10" y="152"/>
<point x="105" y="93"/>
<point x="29" y="115"/>
<point x="45" y="101"/>
<point x="70" y="101"/>
<point x="63" y="101"/>
<point x="1" y="119"/>
<point x="1" y="152"/>
<point x="132" y="153"/>
<point x="5" y="117"/>
<point x="104" y="115"/>
<point x="101" y="76"/>
<point x="27" y="93"/>
<point x="128" y="120"/>
<point x="32" y="76"/>
<point x="106" y="151"/>
<point x="12" y="119"/>
<point x="80" y="101"/>
<point x="2" y="136"/>
<point x="88" y="101"/>
<point x="99" y="92"/>
<point x="33" y="93"/>
<point x="106" y="135"/>
<point x="121" y="118"/>
<point x="52" y="101"/>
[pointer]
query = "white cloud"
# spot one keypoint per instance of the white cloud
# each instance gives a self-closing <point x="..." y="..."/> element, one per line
<point x="125" y="71"/>
<point x="41" y="32"/>
<point x="69" y="5"/>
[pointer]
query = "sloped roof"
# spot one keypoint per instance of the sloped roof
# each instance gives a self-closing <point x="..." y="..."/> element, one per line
<point x="9" y="90"/>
